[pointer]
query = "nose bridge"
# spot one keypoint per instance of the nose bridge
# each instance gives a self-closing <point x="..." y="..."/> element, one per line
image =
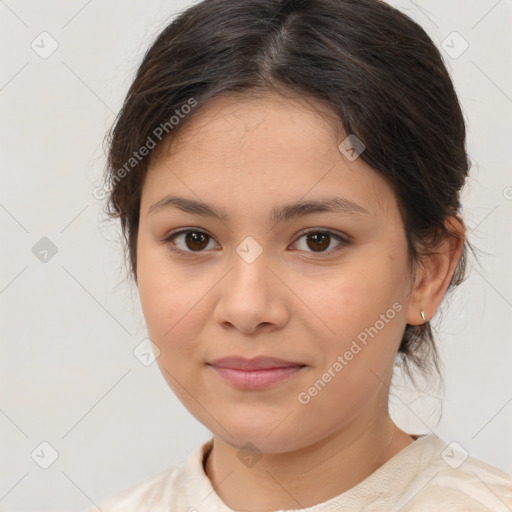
<point x="250" y="295"/>
<point x="250" y="262"/>
<point x="250" y="250"/>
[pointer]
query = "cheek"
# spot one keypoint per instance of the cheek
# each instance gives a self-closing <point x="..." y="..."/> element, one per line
<point x="368" y="323"/>
<point x="364" y="312"/>
<point x="170" y="297"/>
<point x="362" y="296"/>
<point x="174" y="313"/>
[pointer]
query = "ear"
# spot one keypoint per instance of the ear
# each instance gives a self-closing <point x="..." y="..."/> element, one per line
<point x="434" y="274"/>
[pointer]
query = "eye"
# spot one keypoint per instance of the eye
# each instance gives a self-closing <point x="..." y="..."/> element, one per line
<point x="192" y="239"/>
<point x="196" y="241"/>
<point x="319" y="240"/>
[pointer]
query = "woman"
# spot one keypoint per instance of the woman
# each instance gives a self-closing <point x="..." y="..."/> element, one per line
<point x="287" y="175"/>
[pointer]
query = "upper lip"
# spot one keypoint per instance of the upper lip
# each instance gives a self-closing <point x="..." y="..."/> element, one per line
<point x="256" y="363"/>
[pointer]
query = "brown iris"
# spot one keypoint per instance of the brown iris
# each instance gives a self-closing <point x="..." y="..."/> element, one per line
<point x="321" y="240"/>
<point x="195" y="240"/>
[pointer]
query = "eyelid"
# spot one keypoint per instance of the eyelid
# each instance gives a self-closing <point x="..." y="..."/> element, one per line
<point x="318" y="229"/>
<point x="167" y="240"/>
<point x="344" y="240"/>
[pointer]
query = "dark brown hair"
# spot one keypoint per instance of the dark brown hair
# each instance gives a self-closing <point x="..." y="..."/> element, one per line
<point x="373" y="67"/>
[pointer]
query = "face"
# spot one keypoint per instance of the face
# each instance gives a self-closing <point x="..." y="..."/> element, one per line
<point x="322" y="289"/>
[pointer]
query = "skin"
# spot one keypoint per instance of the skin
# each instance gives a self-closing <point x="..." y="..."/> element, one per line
<point x="294" y="301"/>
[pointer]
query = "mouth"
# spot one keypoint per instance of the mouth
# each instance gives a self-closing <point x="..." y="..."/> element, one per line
<point x="256" y="373"/>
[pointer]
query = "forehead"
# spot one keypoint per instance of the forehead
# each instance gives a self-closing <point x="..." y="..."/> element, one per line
<point x="262" y="150"/>
<point x="233" y="122"/>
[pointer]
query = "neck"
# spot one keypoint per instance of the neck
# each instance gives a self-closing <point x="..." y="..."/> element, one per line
<point x="304" y="477"/>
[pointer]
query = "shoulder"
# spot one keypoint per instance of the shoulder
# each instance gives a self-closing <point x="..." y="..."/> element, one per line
<point x="152" y="494"/>
<point x="167" y="490"/>
<point x="449" y="479"/>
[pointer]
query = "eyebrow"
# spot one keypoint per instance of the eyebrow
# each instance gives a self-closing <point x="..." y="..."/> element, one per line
<point x="280" y="214"/>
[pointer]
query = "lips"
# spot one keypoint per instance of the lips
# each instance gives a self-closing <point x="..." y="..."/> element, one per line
<point x="255" y="374"/>
<point x="254" y="364"/>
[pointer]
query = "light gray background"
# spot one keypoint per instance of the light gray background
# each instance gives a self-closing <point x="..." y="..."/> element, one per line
<point x="70" y="325"/>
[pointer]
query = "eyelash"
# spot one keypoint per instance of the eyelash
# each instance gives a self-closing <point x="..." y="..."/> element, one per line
<point x="168" y="240"/>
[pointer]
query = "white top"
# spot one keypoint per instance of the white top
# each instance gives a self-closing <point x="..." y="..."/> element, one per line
<point x="427" y="475"/>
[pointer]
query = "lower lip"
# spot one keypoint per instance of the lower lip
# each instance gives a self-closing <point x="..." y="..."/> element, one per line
<point x="256" y="379"/>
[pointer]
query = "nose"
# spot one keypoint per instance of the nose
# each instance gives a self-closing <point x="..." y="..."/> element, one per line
<point x="251" y="298"/>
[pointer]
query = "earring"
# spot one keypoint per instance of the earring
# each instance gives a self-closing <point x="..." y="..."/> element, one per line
<point x="423" y="316"/>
